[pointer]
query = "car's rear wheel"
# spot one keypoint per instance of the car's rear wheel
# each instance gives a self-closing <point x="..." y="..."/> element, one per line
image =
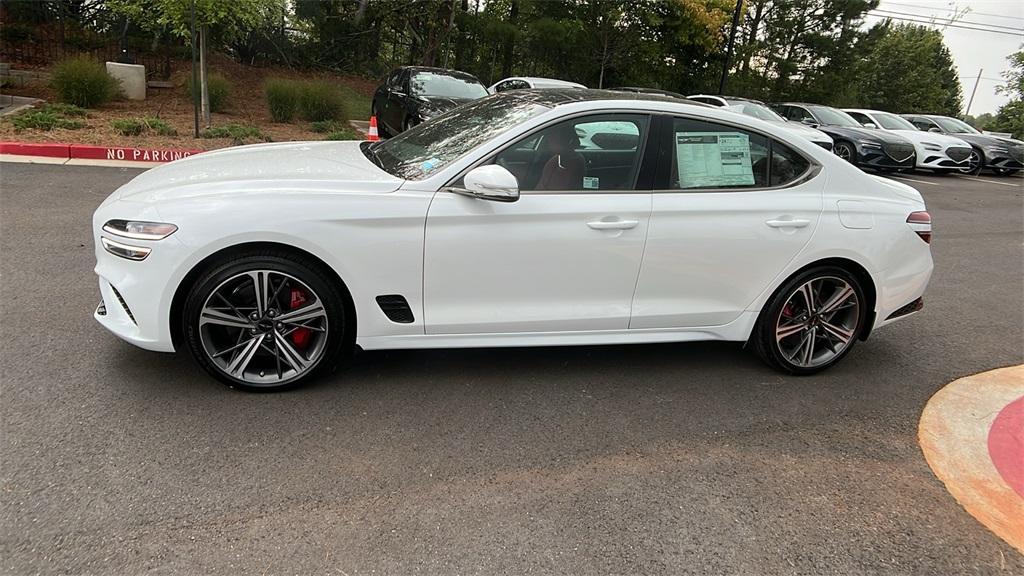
<point x="975" y="162"/>
<point x="846" y="151"/>
<point x="265" y="321"/>
<point x="812" y="321"/>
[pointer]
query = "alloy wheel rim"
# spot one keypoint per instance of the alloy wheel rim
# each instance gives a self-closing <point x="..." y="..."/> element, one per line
<point x="818" y="322"/>
<point x="843" y="152"/>
<point x="263" y="327"/>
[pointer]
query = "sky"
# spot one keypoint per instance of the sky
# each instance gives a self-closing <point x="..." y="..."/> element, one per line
<point x="972" y="50"/>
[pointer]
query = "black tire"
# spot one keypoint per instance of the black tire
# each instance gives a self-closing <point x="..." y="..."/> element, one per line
<point x="1005" y="171"/>
<point x="846" y="151"/>
<point x="768" y="347"/>
<point x="978" y="157"/>
<point x="338" y="338"/>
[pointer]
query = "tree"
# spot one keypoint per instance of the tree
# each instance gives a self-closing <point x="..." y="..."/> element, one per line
<point x="909" y="69"/>
<point x="1010" y="116"/>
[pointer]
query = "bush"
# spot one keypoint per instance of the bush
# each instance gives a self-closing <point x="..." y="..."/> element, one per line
<point x="282" y="98"/>
<point x="83" y="81"/>
<point x="49" y="117"/>
<point x="326" y="126"/>
<point x="344" y="134"/>
<point x="138" y="126"/>
<point x="236" y="132"/>
<point x="218" y="89"/>
<point x="321" y="100"/>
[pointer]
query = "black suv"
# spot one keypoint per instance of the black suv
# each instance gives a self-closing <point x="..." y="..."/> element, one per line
<point x="854" y="143"/>
<point x="412" y="94"/>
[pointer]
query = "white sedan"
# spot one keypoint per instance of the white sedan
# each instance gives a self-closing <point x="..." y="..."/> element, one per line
<point x="492" y="225"/>
<point x="935" y="152"/>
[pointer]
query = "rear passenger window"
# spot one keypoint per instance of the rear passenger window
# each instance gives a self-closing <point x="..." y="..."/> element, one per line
<point x="712" y="156"/>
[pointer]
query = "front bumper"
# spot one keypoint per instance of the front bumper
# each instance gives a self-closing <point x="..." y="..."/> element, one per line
<point x="871" y="157"/>
<point x="942" y="159"/>
<point x="1003" y="162"/>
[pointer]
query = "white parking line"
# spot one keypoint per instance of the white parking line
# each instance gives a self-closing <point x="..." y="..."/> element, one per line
<point x="989" y="181"/>
<point x="912" y="180"/>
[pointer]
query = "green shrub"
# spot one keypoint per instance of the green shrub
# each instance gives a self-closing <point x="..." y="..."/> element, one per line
<point x="236" y="132"/>
<point x="218" y="89"/>
<point x="344" y="134"/>
<point x="326" y="126"/>
<point x="321" y="100"/>
<point x="83" y="81"/>
<point x="138" y="126"/>
<point x="282" y="98"/>
<point x="49" y="117"/>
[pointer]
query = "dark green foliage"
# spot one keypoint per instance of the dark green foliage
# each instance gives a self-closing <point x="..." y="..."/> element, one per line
<point x="219" y="90"/>
<point x="139" y="126"/>
<point x="237" y="132"/>
<point x="50" y="117"/>
<point x="325" y="126"/>
<point x="282" y="98"/>
<point x="344" y="134"/>
<point x="321" y="100"/>
<point x="83" y="81"/>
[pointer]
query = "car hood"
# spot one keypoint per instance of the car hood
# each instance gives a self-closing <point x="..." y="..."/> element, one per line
<point x="865" y="134"/>
<point x="323" y="166"/>
<point x="920" y="137"/>
<point x="984" y="140"/>
<point x="812" y="134"/>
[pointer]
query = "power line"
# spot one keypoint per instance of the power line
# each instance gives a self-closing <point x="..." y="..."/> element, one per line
<point x="951" y="10"/>
<point x="946" y="25"/>
<point x="954" y="21"/>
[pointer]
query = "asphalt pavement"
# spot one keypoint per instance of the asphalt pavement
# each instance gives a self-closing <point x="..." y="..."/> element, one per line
<point x="653" y="459"/>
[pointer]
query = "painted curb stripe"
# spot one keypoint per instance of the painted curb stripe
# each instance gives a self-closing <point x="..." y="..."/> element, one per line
<point x="90" y="152"/>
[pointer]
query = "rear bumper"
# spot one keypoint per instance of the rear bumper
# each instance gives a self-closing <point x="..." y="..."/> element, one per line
<point x="901" y="289"/>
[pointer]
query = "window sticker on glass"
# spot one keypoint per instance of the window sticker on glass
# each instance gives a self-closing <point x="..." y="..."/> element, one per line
<point x="713" y="159"/>
<point x="591" y="183"/>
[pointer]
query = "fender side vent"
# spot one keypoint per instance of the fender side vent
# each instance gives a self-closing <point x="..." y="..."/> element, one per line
<point x="396" y="308"/>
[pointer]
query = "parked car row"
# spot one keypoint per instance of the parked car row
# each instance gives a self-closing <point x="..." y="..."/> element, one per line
<point x="868" y="139"/>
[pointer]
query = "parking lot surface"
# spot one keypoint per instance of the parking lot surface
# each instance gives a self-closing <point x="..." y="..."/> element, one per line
<point x="654" y="459"/>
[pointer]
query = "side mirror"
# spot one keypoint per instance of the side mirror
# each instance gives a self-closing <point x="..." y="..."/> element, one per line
<point x="869" y="125"/>
<point x="809" y="122"/>
<point x="491" y="182"/>
<point x="934" y="129"/>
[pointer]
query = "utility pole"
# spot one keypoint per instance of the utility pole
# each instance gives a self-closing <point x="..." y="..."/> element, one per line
<point x="971" y="101"/>
<point x="732" y="42"/>
<point x="195" y="79"/>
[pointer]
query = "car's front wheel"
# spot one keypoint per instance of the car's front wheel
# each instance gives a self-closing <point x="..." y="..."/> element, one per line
<point x="975" y="163"/>
<point x="265" y="320"/>
<point x="846" y="151"/>
<point x="812" y="321"/>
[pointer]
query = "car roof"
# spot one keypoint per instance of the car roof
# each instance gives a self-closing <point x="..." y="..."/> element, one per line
<point x="559" y="96"/>
<point x="641" y="90"/>
<point x="864" y="110"/>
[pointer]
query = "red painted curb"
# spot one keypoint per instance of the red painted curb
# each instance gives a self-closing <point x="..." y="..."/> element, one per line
<point x="1006" y="444"/>
<point x="25" y="149"/>
<point x="91" y="152"/>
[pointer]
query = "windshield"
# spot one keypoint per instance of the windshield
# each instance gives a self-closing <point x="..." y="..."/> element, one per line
<point x="955" y="126"/>
<point x="431" y="84"/>
<point x="892" y="121"/>
<point x="757" y="111"/>
<point x="833" y="117"/>
<point x="416" y="153"/>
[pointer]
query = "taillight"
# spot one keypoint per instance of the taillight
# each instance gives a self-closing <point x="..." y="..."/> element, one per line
<point x="921" y="223"/>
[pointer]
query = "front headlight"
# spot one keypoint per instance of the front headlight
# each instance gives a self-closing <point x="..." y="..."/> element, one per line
<point x="932" y="146"/>
<point x="138" y="230"/>
<point x="124" y="250"/>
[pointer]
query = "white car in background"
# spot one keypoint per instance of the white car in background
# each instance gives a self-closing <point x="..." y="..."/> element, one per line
<point x="761" y="111"/>
<point x="493" y="225"/>
<point x="936" y="152"/>
<point x="528" y="82"/>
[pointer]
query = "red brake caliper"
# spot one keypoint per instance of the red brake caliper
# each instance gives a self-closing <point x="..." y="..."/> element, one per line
<point x="300" y="337"/>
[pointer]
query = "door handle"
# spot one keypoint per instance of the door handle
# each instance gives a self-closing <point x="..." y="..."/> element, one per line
<point x="798" y="223"/>
<point x="613" y="224"/>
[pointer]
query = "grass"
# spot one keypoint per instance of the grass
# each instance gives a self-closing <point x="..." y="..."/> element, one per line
<point x="357" y="105"/>
<point x="84" y="82"/>
<point x="347" y="133"/>
<point x="237" y="132"/>
<point x="282" y="98"/>
<point x="139" y="126"/>
<point x="218" y="90"/>
<point x="321" y="100"/>
<point x="50" y="117"/>
<point x="326" y="126"/>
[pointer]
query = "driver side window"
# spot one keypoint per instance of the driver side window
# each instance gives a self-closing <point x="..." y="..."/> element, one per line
<point x="590" y="153"/>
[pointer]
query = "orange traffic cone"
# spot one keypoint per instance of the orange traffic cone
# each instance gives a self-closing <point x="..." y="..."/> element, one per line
<point x="372" y="135"/>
